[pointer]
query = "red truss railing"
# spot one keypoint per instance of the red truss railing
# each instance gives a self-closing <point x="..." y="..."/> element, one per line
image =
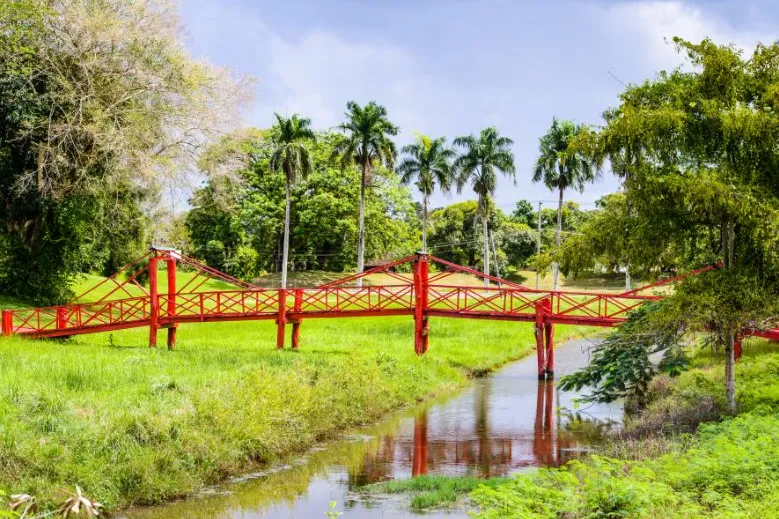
<point x="412" y="290"/>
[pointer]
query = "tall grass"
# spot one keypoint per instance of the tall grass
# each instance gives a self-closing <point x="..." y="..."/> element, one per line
<point x="725" y="470"/>
<point x="131" y="425"/>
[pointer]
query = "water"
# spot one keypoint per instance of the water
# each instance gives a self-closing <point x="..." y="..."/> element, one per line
<point x="500" y="425"/>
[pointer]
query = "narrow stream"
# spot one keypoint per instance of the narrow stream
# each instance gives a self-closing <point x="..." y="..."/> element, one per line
<point x="500" y="425"/>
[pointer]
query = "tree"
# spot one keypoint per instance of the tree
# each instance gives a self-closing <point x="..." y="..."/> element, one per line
<point x="291" y="156"/>
<point x="483" y="157"/>
<point x="704" y="186"/>
<point x="524" y="213"/>
<point x="367" y="142"/>
<point x="324" y="207"/>
<point x="94" y="97"/>
<point x="560" y="167"/>
<point x="430" y="162"/>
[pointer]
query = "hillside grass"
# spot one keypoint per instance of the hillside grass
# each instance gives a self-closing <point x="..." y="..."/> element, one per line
<point x="130" y="425"/>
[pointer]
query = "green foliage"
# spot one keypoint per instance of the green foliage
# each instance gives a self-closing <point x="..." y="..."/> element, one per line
<point x="730" y="470"/>
<point x="559" y="165"/>
<point x="89" y="118"/>
<point x="482" y="158"/>
<point x="430" y="162"/>
<point x="620" y="365"/>
<point x="324" y="211"/>
<point x="428" y="492"/>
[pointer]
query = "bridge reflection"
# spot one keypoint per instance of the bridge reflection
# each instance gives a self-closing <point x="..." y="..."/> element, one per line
<point x="466" y="442"/>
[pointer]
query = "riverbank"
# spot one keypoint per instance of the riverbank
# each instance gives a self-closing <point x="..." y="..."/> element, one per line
<point x="726" y="469"/>
<point x="135" y="426"/>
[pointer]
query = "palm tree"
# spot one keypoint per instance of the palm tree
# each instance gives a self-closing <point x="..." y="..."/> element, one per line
<point x="482" y="158"/>
<point x="367" y="141"/>
<point x="290" y="155"/>
<point x="430" y="161"/>
<point x="561" y="168"/>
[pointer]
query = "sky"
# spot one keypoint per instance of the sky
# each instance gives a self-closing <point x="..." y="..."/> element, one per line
<point x="453" y="68"/>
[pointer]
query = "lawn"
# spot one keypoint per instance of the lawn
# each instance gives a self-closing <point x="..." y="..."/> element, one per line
<point x="131" y="425"/>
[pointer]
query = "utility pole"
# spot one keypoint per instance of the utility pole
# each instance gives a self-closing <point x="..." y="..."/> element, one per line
<point x="538" y="240"/>
<point x="495" y="257"/>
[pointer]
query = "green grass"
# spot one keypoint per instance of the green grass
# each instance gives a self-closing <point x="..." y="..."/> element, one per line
<point x="131" y="425"/>
<point x="428" y="492"/>
<point x="728" y="469"/>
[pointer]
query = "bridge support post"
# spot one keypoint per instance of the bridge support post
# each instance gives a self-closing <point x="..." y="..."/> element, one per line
<point x="544" y="340"/>
<point x="154" y="302"/>
<point x="62" y="317"/>
<point x="737" y="346"/>
<point x="171" y="263"/>
<point x="281" y="320"/>
<point x="298" y="320"/>
<point x="421" y="329"/>
<point x="8" y="323"/>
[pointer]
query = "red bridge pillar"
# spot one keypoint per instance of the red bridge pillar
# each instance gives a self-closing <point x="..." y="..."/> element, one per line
<point x="737" y="351"/>
<point x="8" y="323"/>
<point x="421" y="329"/>
<point x="171" y="263"/>
<point x="544" y="339"/>
<point x="154" y="302"/>
<point x="298" y="320"/>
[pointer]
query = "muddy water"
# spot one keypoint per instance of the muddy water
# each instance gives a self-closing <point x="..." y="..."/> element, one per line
<point x="501" y="424"/>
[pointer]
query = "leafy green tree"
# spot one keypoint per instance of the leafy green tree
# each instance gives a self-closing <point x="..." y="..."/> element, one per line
<point x="561" y="167"/>
<point x="324" y="207"/>
<point x="214" y="224"/>
<point x="90" y="120"/>
<point x="701" y="181"/>
<point x="290" y="155"/>
<point x="430" y="162"/>
<point x="482" y="158"/>
<point x="524" y="213"/>
<point x="367" y="142"/>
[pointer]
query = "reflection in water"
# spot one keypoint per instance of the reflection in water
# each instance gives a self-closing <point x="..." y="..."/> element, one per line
<point x="500" y="425"/>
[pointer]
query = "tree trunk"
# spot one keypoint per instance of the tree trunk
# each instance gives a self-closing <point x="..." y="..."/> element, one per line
<point x="555" y="265"/>
<point x="729" y="258"/>
<point x="361" y="244"/>
<point x="485" y="230"/>
<point x="730" y="372"/>
<point x="626" y="173"/>
<point x="285" y="253"/>
<point x="424" y="223"/>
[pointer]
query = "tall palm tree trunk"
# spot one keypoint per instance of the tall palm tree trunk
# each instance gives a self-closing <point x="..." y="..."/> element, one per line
<point x="285" y="253"/>
<point x="424" y="223"/>
<point x="485" y="231"/>
<point x="361" y="244"/>
<point x="555" y="265"/>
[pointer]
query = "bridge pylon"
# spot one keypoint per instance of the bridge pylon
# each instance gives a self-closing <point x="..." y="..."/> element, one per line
<point x="544" y="330"/>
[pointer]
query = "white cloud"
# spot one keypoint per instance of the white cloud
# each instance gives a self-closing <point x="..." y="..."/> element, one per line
<point x="318" y="74"/>
<point x="646" y="28"/>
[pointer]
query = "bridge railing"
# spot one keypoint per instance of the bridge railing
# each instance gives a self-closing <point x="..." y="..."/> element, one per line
<point x="58" y="320"/>
<point x="512" y="302"/>
<point x="353" y="300"/>
<point x="204" y="305"/>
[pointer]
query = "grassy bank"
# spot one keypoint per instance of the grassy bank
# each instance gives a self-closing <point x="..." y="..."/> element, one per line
<point x="728" y="469"/>
<point x="427" y="492"/>
<point x="131" y="425"/>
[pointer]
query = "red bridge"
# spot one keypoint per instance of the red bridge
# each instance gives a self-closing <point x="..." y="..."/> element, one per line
<point x="417" y="292"/>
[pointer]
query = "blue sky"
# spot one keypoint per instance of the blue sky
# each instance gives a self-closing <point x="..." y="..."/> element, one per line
<point x="453" y="68"/>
